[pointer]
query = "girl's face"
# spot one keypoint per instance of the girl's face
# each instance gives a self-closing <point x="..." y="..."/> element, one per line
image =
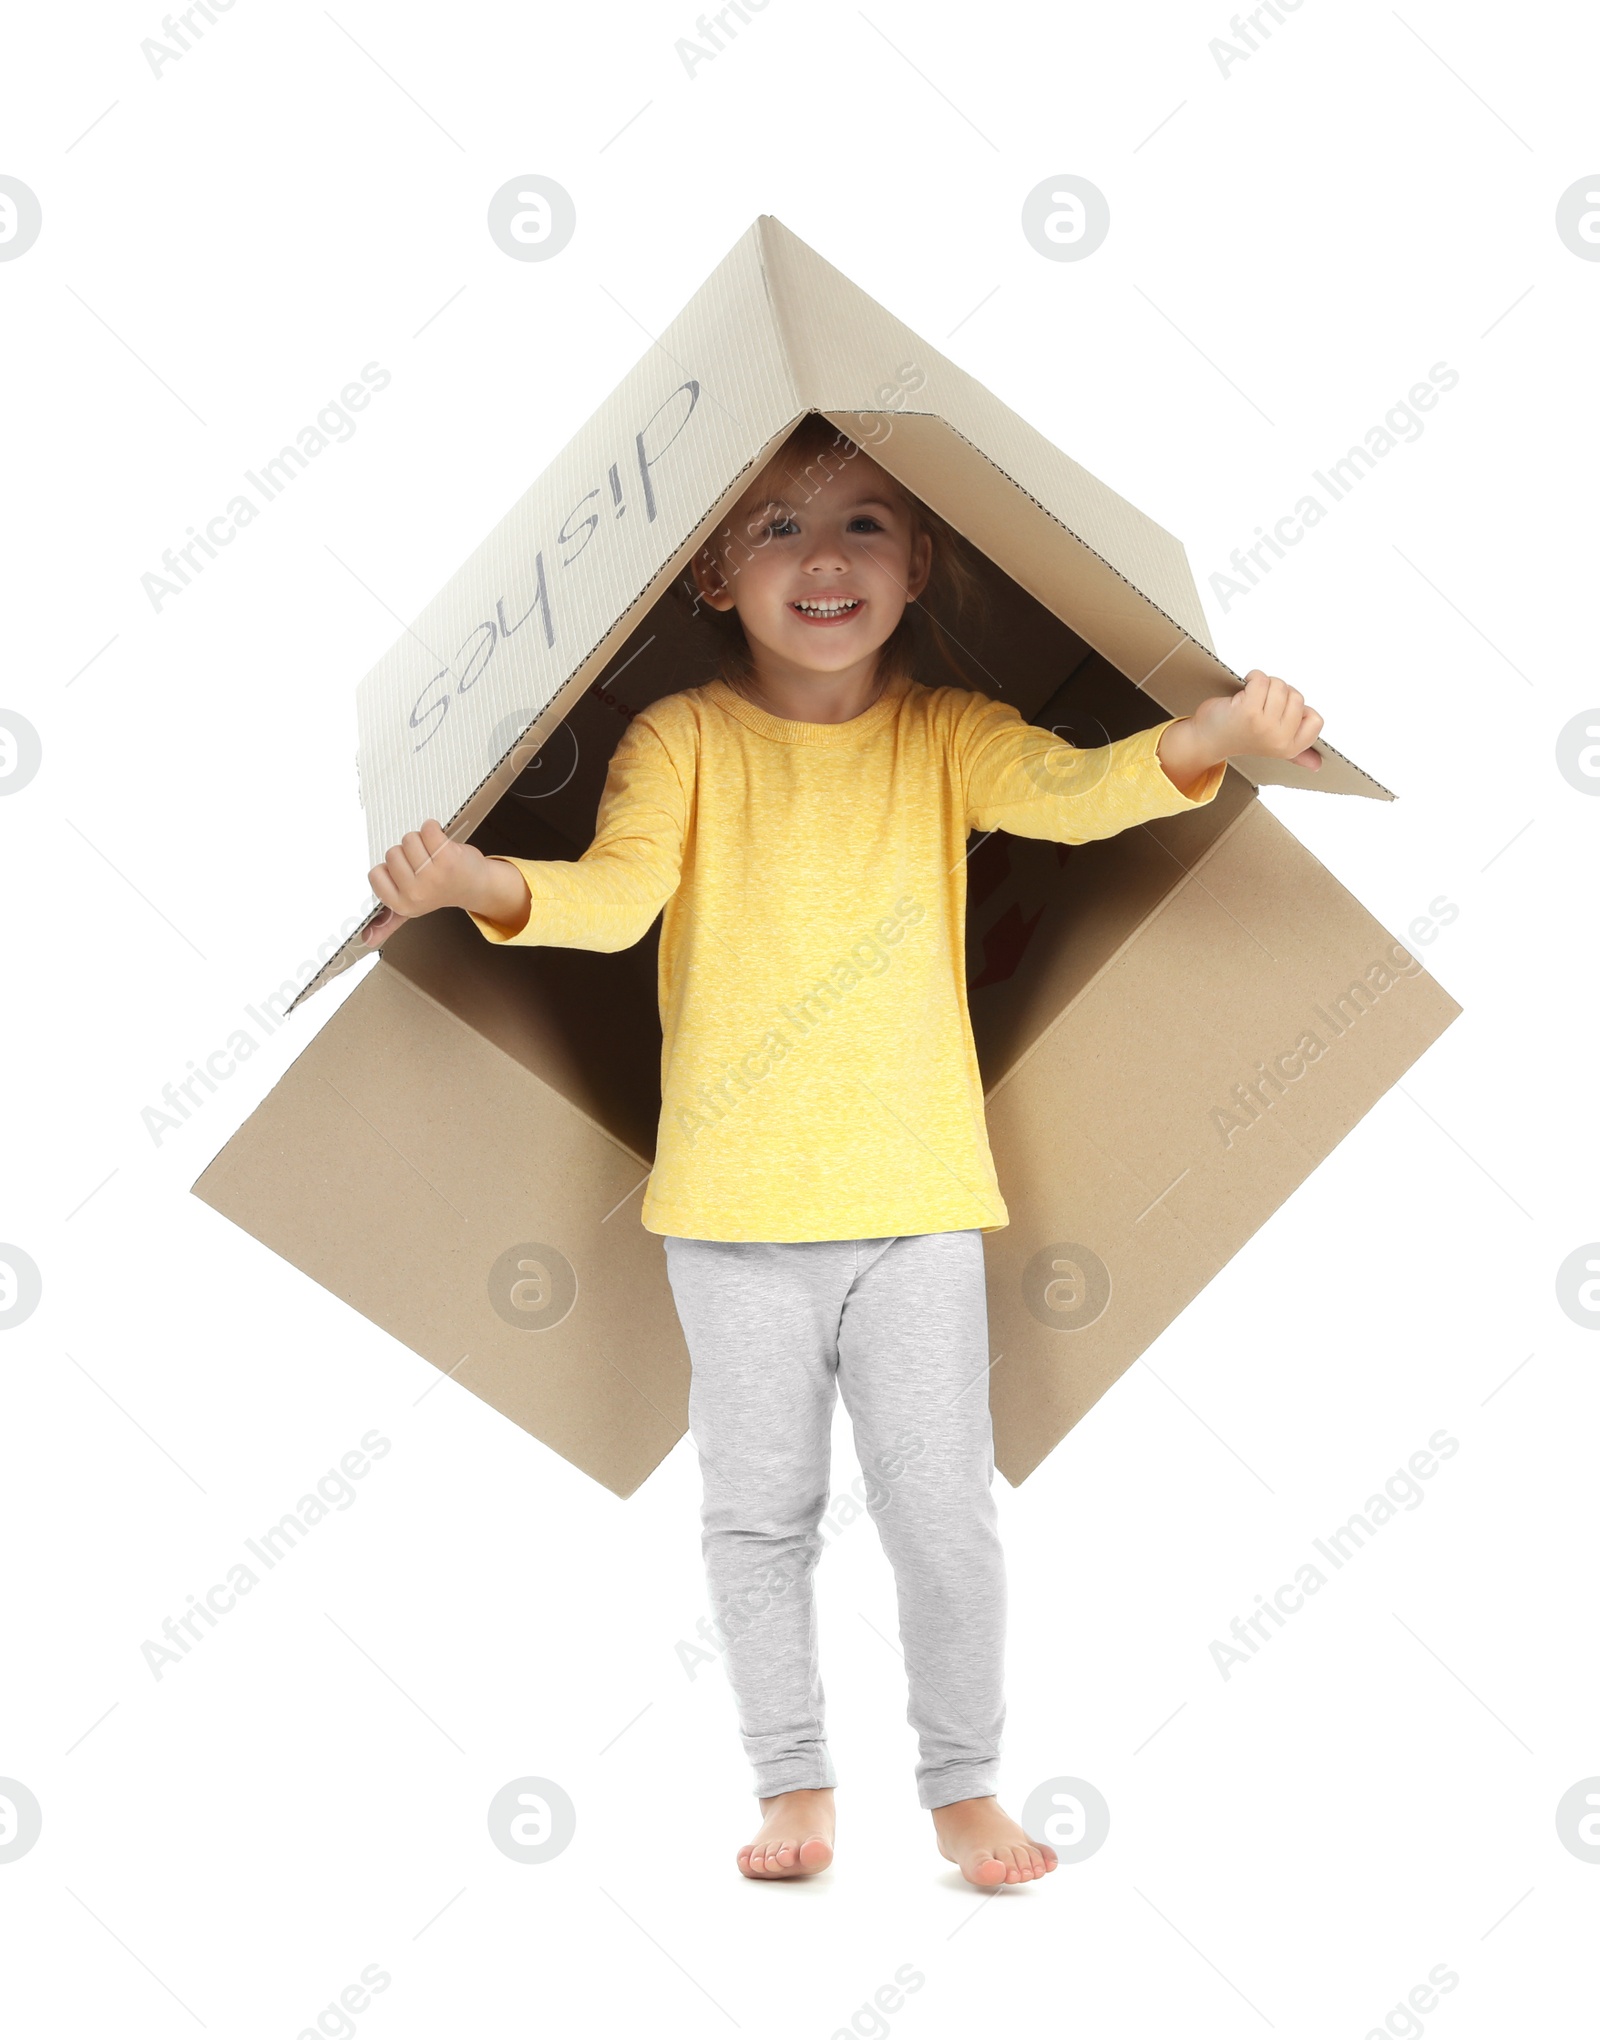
<point x="821" y="571"/>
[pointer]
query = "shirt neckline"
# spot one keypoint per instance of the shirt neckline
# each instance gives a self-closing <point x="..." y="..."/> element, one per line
<point x="786" y="730"/>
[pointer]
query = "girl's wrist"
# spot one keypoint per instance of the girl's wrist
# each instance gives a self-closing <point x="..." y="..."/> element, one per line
<point x="511" y="894"/>
<point x="1183" y="754"/>
<point x="501" y="894"/>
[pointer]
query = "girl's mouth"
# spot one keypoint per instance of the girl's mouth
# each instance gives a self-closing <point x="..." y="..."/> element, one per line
<point x="828" y="610"/>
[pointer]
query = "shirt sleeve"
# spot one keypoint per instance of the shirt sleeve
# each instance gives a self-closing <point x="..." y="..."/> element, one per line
<point x="1026" y="780"/>
<point x="608" y="897"/>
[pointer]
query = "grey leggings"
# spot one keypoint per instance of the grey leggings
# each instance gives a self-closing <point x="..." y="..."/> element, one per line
<point x="902" y="1326"/>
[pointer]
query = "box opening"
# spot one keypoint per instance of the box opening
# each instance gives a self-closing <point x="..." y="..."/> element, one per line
<point x="1042" y="918"/>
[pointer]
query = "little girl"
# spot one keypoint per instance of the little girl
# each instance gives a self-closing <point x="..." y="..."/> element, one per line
<point x="823" y="1179"/>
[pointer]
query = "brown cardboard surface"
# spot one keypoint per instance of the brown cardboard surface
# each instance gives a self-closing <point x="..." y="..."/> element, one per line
<point x="398" y="1161"/>
<point x="582" y="1020"/>
<point x="1152" y="1163"/>
<point x="460" y="1151"/>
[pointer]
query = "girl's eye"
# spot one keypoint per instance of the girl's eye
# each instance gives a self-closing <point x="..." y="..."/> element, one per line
<point x="778" y="524"/>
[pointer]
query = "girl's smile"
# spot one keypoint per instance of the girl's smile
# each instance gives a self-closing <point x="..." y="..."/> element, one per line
<point x="827" y="612"/>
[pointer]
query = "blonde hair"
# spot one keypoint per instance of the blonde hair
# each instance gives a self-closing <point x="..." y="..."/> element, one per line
<point x="934" y="625"/>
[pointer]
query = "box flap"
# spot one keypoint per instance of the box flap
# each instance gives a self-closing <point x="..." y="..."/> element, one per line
<point x="1201" y="1072"/>
<point x="430" y="1177"/>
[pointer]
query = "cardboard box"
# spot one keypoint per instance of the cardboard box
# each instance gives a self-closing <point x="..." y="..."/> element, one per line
<point x="1174" y="1026"/>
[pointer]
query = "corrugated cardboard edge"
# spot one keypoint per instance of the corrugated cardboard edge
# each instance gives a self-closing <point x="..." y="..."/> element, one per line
<point x="1249" y="769"/>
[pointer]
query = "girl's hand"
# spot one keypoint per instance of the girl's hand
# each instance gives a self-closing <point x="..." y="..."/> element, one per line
<point x="426" y="870"/>
<point x="1267" y="718"/>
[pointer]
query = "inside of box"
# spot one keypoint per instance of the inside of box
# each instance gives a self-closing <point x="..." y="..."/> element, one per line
<point x="1042" y="918"/>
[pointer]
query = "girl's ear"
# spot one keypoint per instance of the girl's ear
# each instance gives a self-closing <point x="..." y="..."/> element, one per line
<point x="709" y="579"/>
<point x="921" y="565"/>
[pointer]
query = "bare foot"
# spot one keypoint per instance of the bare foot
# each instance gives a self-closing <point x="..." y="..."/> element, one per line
<point x="987" y="1845"/>
<point x="796" y="1837"/>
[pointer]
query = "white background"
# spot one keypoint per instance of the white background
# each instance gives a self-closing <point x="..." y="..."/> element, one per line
<point x="1293" y="245"/>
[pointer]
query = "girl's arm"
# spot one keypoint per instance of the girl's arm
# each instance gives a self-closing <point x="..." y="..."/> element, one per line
<point x="1029" y="782"/>
<point x="606" y="900"/>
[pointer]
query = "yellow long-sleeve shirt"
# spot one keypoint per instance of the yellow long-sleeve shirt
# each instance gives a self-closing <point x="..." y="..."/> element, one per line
<point x="818" y="1074"/>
